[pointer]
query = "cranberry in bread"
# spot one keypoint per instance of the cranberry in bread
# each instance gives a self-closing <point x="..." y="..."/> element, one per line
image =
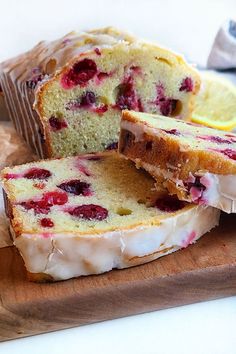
<point x="65" y="97"/>
<point x="91" y="213"/>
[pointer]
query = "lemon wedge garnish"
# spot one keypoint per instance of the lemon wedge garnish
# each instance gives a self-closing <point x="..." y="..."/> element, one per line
<point x="215" y="104"/>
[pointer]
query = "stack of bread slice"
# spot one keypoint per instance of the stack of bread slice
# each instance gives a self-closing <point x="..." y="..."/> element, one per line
<point x="87" y="211"/>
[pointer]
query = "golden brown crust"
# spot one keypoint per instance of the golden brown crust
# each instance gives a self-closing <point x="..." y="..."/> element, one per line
<point x="7" y="205"/>
<point x="12" y="214"/>
<point x="181" y="193"/>
<point x="165" y="152"/>
<point x="48" y="147"/>
<point x="137" y="260"/>
<point x="39" y="277"/>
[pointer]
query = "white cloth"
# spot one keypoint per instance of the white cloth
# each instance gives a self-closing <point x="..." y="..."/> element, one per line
<point x="223" y="52"/>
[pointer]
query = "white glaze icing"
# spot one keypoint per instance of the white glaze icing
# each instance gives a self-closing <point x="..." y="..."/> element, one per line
<point x="138" y="130"/>
<point x="219" y="193"/>
<point x="64" y="256"/>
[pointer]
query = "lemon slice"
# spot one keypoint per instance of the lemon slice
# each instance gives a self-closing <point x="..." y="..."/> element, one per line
<point x="215" y="105"/>
<point x="217" y="124"/>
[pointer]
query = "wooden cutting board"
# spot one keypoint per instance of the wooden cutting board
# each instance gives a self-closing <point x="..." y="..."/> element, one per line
<point x="206" y="270"/>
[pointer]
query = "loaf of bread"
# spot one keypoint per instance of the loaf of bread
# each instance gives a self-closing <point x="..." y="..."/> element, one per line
<point x="88" y="214"/>
<point x="65" y="97"/>
<point x="196" y="163"/>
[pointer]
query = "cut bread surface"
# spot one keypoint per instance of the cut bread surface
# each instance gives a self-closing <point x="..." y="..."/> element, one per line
<point x="105" y="180"/>
<point x="66" y="96"/>
<point x="88" y="214"/>
<point x="196" y="163"/>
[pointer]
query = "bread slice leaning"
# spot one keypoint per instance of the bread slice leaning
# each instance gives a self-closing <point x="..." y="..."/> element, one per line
<point x="196" y="163"/>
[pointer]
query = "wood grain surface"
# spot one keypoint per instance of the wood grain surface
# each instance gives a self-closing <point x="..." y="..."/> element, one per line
<point x="206" y="270"/>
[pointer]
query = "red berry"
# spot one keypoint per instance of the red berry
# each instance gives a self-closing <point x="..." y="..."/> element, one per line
<point x="166" y="105"/>
<point x="172" y="131"/>
<point x="169" y="204"/>
<point x="89" y="212"/>
<point x="43" y="205"/>
<point x="100" y="109"/>
<point x="136" y="69"/>
<point x="215" y="139"/>
<point x="76" y="187"/>
<point x="140" y="105"/>
<point x="112" y="146"/>
<point x="79" y="74"/>
<point x="229" y="153"/>
<point x="87" y="99"/>
<point x="12" y="175"/>
<point x="40" y="207"/>
<point x="57" y="123"/>
<point x="46" y="222"/>
<point x="186" y="85"/>
<point x="195" y="188"/>
<point x="37" y="173"/>
<point x="126" y="97"/>
<point x="97" y="51"/>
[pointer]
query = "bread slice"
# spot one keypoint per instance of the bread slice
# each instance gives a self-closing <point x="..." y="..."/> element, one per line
<point x="65" y="97"/>
<point x="196" y="163"/>
<point x="88" y="214"/>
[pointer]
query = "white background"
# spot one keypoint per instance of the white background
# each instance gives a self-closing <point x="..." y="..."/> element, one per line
<point x="188" y="27"/>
